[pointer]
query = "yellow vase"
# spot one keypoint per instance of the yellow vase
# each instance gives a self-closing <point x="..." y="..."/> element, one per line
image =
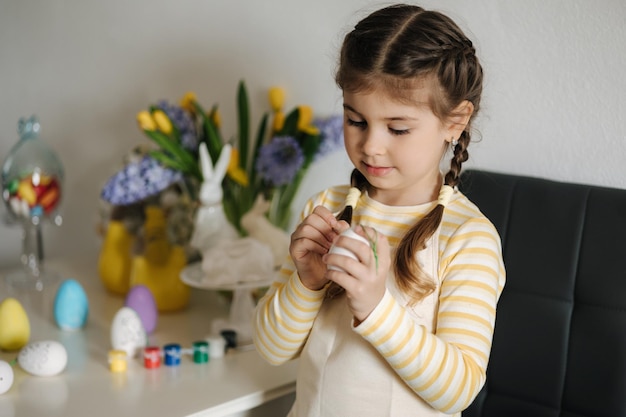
<point x="114" y="262"/>
<point x="159" y="267"/>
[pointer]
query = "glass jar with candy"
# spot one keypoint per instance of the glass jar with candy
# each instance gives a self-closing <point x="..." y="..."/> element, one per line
<point x="32" y="185"/>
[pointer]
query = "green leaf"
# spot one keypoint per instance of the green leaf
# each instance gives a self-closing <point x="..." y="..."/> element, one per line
<point x="310" y="145"/>
<point x="260" y="136"/>
<point x="291" y="123"/>
<point x="177" y="152"/>
<point x="168" y="161"/>
<point x="243" y="114"/>
<point x="211" y="135"/>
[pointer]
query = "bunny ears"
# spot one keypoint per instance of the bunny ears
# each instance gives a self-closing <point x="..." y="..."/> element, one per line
<point x="209" y="173"/>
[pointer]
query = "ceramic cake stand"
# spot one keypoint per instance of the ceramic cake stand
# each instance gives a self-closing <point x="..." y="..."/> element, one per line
<point x="242" y="305"/>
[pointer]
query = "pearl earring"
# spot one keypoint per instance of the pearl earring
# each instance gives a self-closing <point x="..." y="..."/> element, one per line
<point x="453" y="143"/>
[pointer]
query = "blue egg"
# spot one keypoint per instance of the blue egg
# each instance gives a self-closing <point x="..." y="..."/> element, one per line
<point x="71" y="306"/>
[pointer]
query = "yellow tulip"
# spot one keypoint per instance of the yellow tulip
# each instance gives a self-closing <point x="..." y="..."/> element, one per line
<point x="305" y="117"/>
<point x="311" y="130"/>
<point x="145" y="120"/>
<point x="239" y="176"/>
<point x="234" y="171"/>
<point x="187" y="101"/>
<point x="162" y="121"/>
<point x="279" y="121"/>
<point x="233" y="162"/>
<point x="216" y="117"/>
<point x="276" y="96"/>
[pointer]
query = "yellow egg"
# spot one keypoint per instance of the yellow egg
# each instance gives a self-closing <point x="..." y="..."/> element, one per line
<point x="14" y="325"/>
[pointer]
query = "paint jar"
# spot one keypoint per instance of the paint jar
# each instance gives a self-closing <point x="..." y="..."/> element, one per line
<point x="172" y="354"/>
<point x="151" y="357"/>
<point x="118" y="360"/>
<point x="201" y="351"/>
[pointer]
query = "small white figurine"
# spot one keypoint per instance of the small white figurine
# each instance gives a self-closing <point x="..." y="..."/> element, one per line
<point x="211" y="225"/>
<point x="259" y="227"/>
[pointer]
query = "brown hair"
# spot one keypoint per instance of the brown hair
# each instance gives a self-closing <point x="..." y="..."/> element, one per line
<point x="395" y="48"/>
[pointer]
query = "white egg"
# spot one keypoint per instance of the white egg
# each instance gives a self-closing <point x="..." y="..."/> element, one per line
<point x="127" y="332"/>
<point x="6" y="377"/>
<point x="44" y="358"/>
<point x="345" y="252"/>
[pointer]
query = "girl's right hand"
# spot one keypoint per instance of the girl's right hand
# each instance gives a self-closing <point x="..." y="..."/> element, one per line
<point x="310" y="241"/>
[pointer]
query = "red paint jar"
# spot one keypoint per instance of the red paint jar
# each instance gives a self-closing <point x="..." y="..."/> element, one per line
<point x="152" y="357"/>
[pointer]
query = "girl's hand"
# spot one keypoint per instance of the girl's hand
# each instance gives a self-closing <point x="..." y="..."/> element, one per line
<point x="363" y="279"/>
<point x="310" y="241"/>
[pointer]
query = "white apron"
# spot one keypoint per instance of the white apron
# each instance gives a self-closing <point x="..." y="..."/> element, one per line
<point x="342" y="375"/>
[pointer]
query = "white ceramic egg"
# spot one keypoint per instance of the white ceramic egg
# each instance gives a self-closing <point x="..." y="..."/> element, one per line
<point x="6" y="377"/>
<point x="127" y="332"/>
<point x="71" y="306"/>
<point x="43" y="358"/>
<point x="141" y="300"/>
<point x="345" y="252"/>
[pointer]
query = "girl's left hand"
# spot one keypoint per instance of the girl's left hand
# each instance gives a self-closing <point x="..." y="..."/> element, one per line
<point x="363" y="279"/>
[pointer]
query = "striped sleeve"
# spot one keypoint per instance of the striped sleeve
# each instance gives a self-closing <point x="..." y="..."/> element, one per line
<point x="447" y="368"/>
<point x="284" y="316"/>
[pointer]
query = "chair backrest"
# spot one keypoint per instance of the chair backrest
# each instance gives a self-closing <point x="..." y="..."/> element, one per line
<point x="559" y="348"/>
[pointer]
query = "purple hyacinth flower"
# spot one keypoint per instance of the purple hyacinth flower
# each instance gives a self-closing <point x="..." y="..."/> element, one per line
<point x="139" y="180"/>
<point x="331" y="130"/>
<point x="279" y="160"/>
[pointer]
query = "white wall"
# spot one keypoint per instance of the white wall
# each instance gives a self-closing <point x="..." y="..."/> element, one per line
<point x="553" y="103"/>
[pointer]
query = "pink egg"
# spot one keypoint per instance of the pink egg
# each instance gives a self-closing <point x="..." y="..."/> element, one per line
<point x="140" y="299"/>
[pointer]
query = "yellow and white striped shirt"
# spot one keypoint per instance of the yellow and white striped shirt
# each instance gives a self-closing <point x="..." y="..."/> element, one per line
<point x="427" y="359"/>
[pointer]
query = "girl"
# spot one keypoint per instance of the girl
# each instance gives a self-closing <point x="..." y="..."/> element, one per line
<point x="404" y="329"/>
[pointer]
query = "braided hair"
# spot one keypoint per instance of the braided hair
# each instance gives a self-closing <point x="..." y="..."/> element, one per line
<point x="396" y="48"/>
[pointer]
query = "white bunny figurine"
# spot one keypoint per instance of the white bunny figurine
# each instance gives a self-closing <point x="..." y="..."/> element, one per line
<point x="260" y="228"/>
<point x="211" y="225"/>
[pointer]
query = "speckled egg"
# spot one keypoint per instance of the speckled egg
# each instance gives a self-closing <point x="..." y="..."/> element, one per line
<point x="14" y="325"/>
<point x="141" y="300"/>
<point x="43" y="358"/>
<point x="6" y="377"/>
<point x="71" y="306"/>
<point x="127" y="332"/>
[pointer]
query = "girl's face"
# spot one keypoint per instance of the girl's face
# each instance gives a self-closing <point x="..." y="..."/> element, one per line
<point x="395" y="145"/>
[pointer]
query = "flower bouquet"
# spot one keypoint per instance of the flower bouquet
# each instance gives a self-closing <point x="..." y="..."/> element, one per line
<point x="268" y="164"/>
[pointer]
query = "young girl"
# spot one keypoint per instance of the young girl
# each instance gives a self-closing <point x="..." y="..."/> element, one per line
<point x="404" y="329"/>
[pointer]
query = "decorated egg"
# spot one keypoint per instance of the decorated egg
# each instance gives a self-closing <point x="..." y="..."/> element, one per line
<point x="71" y="306"/>
<point x="127" y="332"/>
<point x="345" y="252"/>
<point x="6" y="377"/>
<point x="141" y="300"/>
<point x="14" y="325"/>
<point x="44" y="358"/>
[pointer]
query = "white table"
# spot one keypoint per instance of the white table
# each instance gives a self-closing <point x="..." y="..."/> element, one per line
<point x="239" y="381"/>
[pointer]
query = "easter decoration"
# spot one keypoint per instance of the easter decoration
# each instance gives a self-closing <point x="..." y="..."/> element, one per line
<point x="211" y="227"/>
<point x="258" y="226"/>
<point x="140" y="299"/>
<point x="43" y="358"/>
<point x="127" y="332"/>
<point x="158" y="267"/>
<point x="350" y="233"/>
<point x="191" y="195"/>
<point x="71" y="306"/>
<point x="32" y="185"/>
<point x="14" y="325"/>
<point x="6" y="377"/>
